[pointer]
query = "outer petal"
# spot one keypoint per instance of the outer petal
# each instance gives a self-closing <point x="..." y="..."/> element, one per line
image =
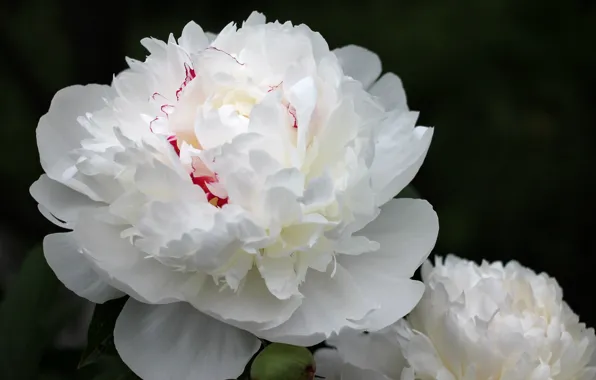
<point x="331" y="367"/>
<point x="400" y="152"/>
<point x="60" y="204"/>
<point x="359" y="63"/>
<point x="328" y="363"/>
<point x="390" y="92"/>
<point x="58" y="131"/>
<point x="176" y="341"/>
<point x="330" y="303"/>
<point x="406" y="230"/>
<point x="142" y="277"/>
<point x="193" y="39"/>
<point x="350" y="372"/>
<point x="74" y="269"/>
<point x="378" y="351"/>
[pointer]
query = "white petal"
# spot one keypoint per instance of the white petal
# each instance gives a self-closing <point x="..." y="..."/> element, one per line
<point x="280" y="276"/>
<point x="420" y="351"/>
<point x="193" y="38"/>
<point x="251" y="308"/>
<point x="61" y="201"/>
<point x="330" y="303"/>
<point x="176" y="341"/>
<point x="140" y="276"/>
<point x="390" y="92"/>
<point x="378" y="351"/>
<point x="58" y="131"/>
<point x="255" y="18"/>
<point x="359" y="63"/>
<point x="211" y="36"/>
<point x="406" y="230"/>
<point x="74" y="269"/>
<point x="395" y="165"/>
<point x="328" y="363"/>
<point x="350" y="372"/>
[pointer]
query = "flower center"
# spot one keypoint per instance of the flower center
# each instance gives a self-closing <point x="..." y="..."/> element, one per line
<point x="181" y="129"/>
<point x="200" y="101"/>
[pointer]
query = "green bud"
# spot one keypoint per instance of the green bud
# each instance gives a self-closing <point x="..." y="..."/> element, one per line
<point x="283" y="362"/>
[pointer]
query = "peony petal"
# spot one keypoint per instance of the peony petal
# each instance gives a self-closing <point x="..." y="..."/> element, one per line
<point x="252" y="308"/>
<point x="330" y="303"/>
<point x="390" y="92"/>
<point x="142" y="277"/>
<point x="406" y="230"/>
<point x="331" y="367"/>
<point x="359" y="63"/>
<point x="74" y="269"/>
<point x="378" y="351"/>
<point x="398" y="156"/>
<point x="328" y="363"/>
<point x="280" y="276"/>
<point x="193" y="39"/>
<point x="58" y="131"/>
<point x="176" y="341"/>
<point x="350" y="372"/>
<point x="60" y="201"/>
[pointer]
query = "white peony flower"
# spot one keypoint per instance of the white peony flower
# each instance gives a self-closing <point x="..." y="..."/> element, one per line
<point x="227" y="184"/>
<point x="478" y="322"/>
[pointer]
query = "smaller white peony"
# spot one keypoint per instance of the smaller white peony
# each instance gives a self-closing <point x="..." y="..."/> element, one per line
<point x="474" y="322"/>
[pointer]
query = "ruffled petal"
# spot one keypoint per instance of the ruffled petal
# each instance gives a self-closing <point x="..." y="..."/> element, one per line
<point x="330" y="303"/>
<point x="127" y="269"/>
<point x="59" y="132"/>
<point x="251" y="308"/>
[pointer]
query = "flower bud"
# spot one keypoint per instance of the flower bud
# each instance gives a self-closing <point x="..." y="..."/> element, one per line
<point x="283" y="361"/>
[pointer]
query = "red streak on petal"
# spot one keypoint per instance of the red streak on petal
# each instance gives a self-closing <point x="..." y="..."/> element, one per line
<point x="151" y="122"/>
<point x="174" y="143"/>
<point x="226" y="53"/>
<point x="166" y="109"/>
<point x="202" y="182"/>
<point x="273" y="88"/>
<point x="190" y="75"/>
<point x="292" y="112"/>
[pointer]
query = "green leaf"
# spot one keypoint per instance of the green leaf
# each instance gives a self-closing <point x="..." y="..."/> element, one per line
<point x="283" y="361"/>
<point x="100" y="336"/>
<point x="409" y="192"/>
<point x="30" y="317"/>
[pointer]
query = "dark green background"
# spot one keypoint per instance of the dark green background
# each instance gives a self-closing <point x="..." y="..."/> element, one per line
<point x="508" y="84"/>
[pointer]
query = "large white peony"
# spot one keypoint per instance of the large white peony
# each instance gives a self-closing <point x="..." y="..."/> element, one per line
<point x="474" y="322"/>
<point x="232" y="185"/>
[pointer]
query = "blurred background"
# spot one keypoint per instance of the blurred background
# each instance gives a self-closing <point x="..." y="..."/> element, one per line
<point x="509" y="85"/>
